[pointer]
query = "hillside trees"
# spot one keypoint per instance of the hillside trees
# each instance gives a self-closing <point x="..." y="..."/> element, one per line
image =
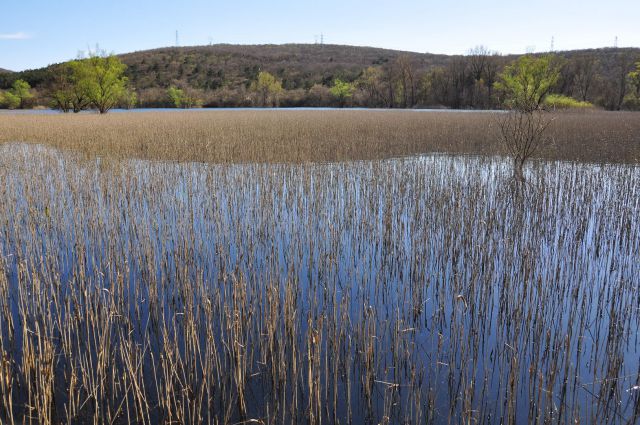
<point x="342" y="91"/>
<point x="267" y="88"/>
<point x="634" y="77"/>
<point x="406" y="82"/>
<point x="184" y="98"/>
<point x="229" y="76"/>
<point x="585" y="70"/>
<point x="632" y="100"/>
<point x="466" y="82"/>
<point x="370" y="83"/>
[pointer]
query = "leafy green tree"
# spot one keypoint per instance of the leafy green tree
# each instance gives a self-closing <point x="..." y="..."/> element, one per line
<point x="11" y="101"/>
<point x="526" y="82"/>
<point x="71" y="88"/>
<point x="342" y="90"/>
<point x="267" y="87"/>
<point x="176" y="95"/>
<point x="184" y="98"/>
<point x="103" y="77"/>
<point x="129" y="99"/>
<point x="19" y="94"/>
<point x="61" y="99"/>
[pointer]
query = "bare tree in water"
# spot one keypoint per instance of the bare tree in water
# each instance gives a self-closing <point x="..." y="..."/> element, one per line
<point x="523" y="127"/>
<point x="523" y="135"/>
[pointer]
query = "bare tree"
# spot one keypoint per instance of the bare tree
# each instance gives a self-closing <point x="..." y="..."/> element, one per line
<point x="525" y="84"/>
<point x="523" y="133"/>
<point x="483" y="68"/>
<point x="478" y="61"/>
<point x="459" y="71"/>
<point x="585" y="71"/>
<point x="406" y="81"/>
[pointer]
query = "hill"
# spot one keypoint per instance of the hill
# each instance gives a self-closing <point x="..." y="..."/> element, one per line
<point x="221" y="75"/>
<point x="297" y="65"/>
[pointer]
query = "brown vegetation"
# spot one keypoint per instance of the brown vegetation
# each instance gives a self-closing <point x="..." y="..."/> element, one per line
<point x="282" y="136"/>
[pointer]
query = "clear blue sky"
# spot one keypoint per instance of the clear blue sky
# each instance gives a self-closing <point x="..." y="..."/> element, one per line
<point x="35" y="33"/>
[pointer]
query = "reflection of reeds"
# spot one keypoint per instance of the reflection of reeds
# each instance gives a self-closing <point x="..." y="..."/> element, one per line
<point x="298" y="136"/>
<point x="398" y="291"/>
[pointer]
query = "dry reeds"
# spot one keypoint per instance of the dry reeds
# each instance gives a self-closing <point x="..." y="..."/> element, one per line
<point x="407" y="290"/>
<point x="298" y="136"/>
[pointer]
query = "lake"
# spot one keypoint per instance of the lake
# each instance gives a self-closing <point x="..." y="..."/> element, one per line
<point x="428" y="288"/>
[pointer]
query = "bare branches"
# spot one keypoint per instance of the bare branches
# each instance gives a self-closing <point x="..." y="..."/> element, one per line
<point x="523" y="134"/>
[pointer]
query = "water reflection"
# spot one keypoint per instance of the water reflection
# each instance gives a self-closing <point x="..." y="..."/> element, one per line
<point x="389" y="291"/>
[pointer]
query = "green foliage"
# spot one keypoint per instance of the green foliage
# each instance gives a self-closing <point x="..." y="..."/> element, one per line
<point x="80" y="85"/>
<point x="10" y="101"/>
<point x="97" y="81"/>
<point x="183" y="98"/>
<point x="267" y="87"/>
<point x="19" y="94"/>
<point x="129" y="99"/>
<point x="526" y="82"/>
<point x="61" y="99"/>
<point x="103" y="79"/>
<point x="342" y="90"/>
<point x="176" y="95"/>
<point x="558" y="101"/>
<point x="632" y="100"/>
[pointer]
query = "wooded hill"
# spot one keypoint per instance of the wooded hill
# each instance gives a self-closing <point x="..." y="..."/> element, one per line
<point x="222" y="75"/>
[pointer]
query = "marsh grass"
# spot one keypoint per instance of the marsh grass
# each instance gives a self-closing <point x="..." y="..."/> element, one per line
<point x="299" y="136"/>
<point x="407" y="290"/>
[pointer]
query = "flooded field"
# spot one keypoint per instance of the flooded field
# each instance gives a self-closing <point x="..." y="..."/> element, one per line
<point x="426" y="289"/>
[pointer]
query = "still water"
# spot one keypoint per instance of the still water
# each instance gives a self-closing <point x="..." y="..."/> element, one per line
<point x="396" y="291"/>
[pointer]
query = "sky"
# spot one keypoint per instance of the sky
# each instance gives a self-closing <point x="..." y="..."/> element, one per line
<point x="35" y="33"/>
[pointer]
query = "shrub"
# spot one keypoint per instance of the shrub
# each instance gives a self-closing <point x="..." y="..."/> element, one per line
<point x="558" y="101"/>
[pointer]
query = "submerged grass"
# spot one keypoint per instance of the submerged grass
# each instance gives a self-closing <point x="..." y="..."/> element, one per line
<point x="412" y="290"/>
<point x="298" y="136"/>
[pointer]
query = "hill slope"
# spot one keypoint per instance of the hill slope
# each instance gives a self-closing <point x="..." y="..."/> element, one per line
<point x="297" y="65"/>
<point x="221" y="75"/>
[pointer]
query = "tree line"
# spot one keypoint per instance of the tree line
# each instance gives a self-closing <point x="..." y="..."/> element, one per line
<point x="472" y="81"/>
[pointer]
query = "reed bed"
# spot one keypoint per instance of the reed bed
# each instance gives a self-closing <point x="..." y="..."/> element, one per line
<point x="298" y="136"/>
<point x="410" y="290"/>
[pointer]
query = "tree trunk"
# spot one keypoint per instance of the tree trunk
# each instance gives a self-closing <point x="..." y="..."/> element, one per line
<point x="518" y="173"/>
